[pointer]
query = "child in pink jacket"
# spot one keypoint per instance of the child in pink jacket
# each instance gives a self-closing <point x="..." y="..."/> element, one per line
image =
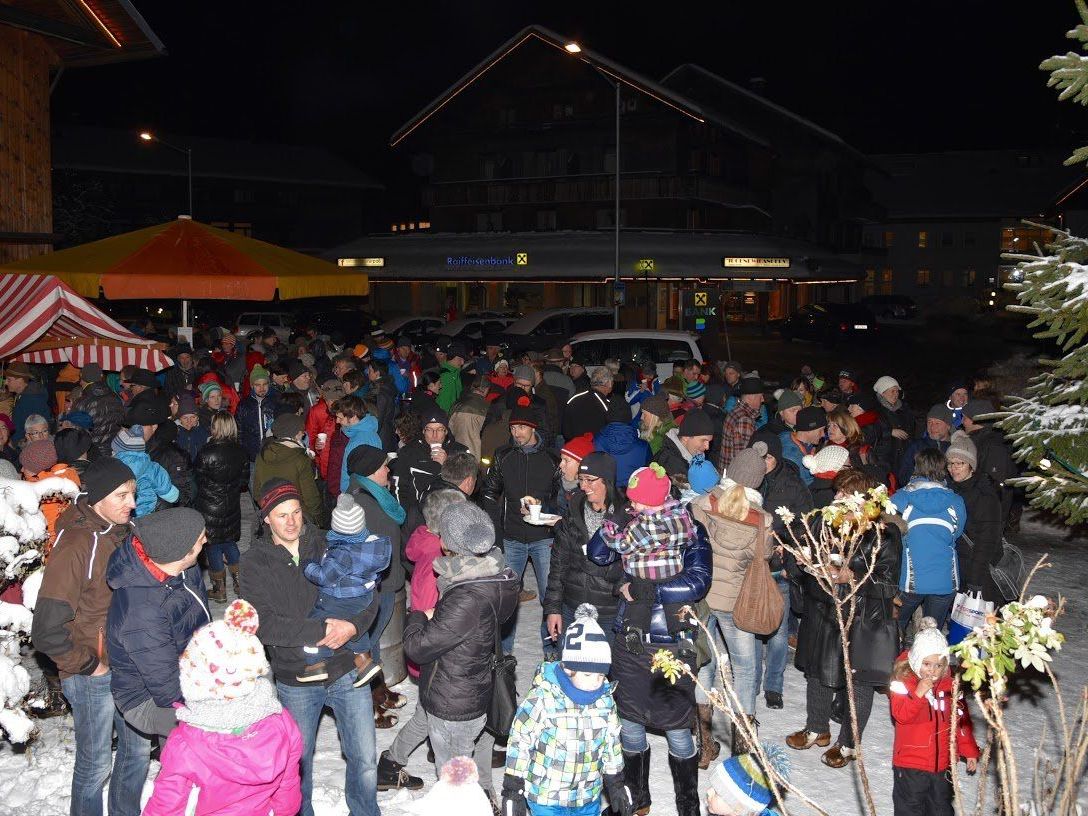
<point x="234" y="741"/>
<point x="422" y="548"/>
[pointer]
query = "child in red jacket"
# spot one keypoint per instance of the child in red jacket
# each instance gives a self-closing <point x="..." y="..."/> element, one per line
<point x="921" y="704"/>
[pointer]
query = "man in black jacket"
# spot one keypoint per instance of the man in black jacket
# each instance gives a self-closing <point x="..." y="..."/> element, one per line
<point x="104" y="407"/>
<point x="683" y="444"/>
<point x="384" y="394"/>
<point x="419" y="462"/>
<point x="587" y="411"/>
<point x="522" y="468"/>
<point x="273" y="581"/>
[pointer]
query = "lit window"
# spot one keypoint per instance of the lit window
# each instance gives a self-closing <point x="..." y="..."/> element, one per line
<point x="886" y="281"/>
<point x="424" y="225"/>
<point x="923" y="239"/>
<point x="889" y="238"/>
<point x="393" y="228"/>
<point x="922" y="277"/>
<point x="969" y="276"/>
<point x="870" y="282"/>
<point x="948" y="278"/>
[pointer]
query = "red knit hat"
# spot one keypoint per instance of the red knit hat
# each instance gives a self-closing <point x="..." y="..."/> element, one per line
<point x="649" y="486"/>
<point x="579" y="448"/>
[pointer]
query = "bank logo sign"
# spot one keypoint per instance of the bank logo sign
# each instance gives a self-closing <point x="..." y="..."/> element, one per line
<point x="517" y="259"/>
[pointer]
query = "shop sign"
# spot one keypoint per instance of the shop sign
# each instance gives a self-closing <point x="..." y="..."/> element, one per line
<point x="477" y="261"/>
<point x="781" y="263"/>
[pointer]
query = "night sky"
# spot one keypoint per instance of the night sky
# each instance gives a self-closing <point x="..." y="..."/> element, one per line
<point x="345" y="75"/>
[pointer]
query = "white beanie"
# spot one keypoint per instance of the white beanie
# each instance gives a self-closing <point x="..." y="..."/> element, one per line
<point x="224" y="659"/>
<point x="884" y="383"/>
<point x="962" y="448"/>
<point x="585" y="647"/>
<point x="348" y="517"/>
<point x="928" y="641"/>
<point x="830" y="459"/>
<point x="456" y="791"/>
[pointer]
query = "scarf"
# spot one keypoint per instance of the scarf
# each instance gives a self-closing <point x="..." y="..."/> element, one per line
<point x="674" y="435"/>
<point x="233" y="716"/>
<point x="452" y="569"/>
<point x="386" y="500"/>
<point x="657" y="435"/>
<point x="891" y="406"/>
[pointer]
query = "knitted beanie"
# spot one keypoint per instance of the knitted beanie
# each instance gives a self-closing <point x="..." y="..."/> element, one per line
<point x="884" y="383"/>
<point x="523" y="414"/>
<point x="810" y="418"/>
<point x="103" y="476"/>
<point x="579" y="447"/>
<point x="599" y="464"/>
<point x="38" y="456"/>
<point x="365" y="460"/>
<point x="186" y="404"/>
<point x="277" y="491"/>
<point x="696" y="422"/>
<point x="942" y="412"/>
<point x="259" y="372"/>
<point x="167" y="535"/>
<point x="208" y="388"/>
<point x="827" y="462"/>
<point x="81" y="419"/>
<point x="961" y="449"/>
<point x="742" y="781"/>
<point x="585" y="647"/>
<point x="524" y="372"/>
<point x="695" y="390"/>
<point x="928" y="641"/>
<point x="977" y="407"/>
<point x="788" y="399"/>
<point x="348" y="517"/>
<point x="224" y="659"/>
<point x="748" y="467"/>
<point x="649" y="486"/>
<point x="129" y="439"/>
<point x="465" y="529"/>
<point x="456" y="791"/>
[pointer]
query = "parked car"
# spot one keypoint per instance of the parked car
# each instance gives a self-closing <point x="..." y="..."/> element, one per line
<point x="469" y="330"/>
<point x="548" y="328"/>
<point x="890" y="307"/>
<point x="648" y="351"/>
<point x="484" y="314"/>
<point x="353" y="324"/>
<point x="413" y="327"/>
<point x="829" y="323"/>
<point x="282" y="323"/>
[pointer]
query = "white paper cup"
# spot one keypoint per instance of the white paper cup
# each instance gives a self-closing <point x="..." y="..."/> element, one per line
<point x="534" y="512"/>
<point x="322" y="438"/>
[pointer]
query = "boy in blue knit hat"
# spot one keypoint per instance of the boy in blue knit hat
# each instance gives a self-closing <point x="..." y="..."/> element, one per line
<point x="564" y="746"/>
<point x="739" y="785"/>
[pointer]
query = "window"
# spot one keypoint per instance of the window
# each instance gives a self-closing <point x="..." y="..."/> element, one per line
<point x="886" y="281"/>
<point x="947" y="239"/>
<point x="589" y="322"/>
<point x="922" y="277"/>
<point x="870" y="282"/>
<point x="969" y="277"/>
<point x="545" y="219"/>
<point x="244" y="196"/>
<point x="553" y="325"/>
<point x="923" y="239"/>
<point x="1023" y="239"/>
<point x="488" y="222"/>
<point x="889" y="238"/>
<point x="592" y="352"/>
<point x="948" y="279"/>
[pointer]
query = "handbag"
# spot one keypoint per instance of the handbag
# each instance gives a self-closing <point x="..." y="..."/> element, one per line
<point x="875" y="641"/>
<point x="1009" y="574"/>
<point x="759" y="607"/>
<point x="968" y="611"/>
<point x="504" y="693"/>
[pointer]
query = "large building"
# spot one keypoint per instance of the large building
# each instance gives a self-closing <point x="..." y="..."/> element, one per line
<point x="39" y="39"/>
<point x="720" y="189"/>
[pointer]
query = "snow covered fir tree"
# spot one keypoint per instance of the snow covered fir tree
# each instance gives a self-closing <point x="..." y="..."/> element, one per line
<point x="1049" y="425"/>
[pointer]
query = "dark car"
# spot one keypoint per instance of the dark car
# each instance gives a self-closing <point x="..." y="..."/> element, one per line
<point x="890" y="307"/>
<point x="354" y="324"/>
<point x="551" y="328"/>
<point x="829" y="323"/>
<point x="470" y="331"/>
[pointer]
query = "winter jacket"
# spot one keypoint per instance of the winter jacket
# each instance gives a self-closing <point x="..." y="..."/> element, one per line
<point x="981" y="545"/>
<point x="393" y="576"/>
<point x="164" y="452"/>
<point x="890" y="449"/>
<point x="737" y="430"/>
<point x="906" y="464"/>
<point x="995" y="461"/>
<point x="587" y="412"/>
<point x="518" y="471"/>
<point x="922" y="725"/>
<point x="689" y="586"/>
<point x="467" y="422"/>
<point x="32" y="401"/>
<point x="423" y="402"/>
<point x="673" y="456"/>
<point x="623" y="442"/>
<point x="651" y="543"/>
<point x="454" y="648"/>
<point x="784" y="487"/>
<point x="253" y="773"/>
<point x="794" y="450"/>
<point x="819" y="647"/>
<point x="584" y="725"/>
<point x="338" y="443"/>
<point x="415" y="471"/>
<point x="363" y="432"/>
<point x="222" y="468"/>
<point x="450" y="376"/>
<point x="286" y="459"/>
<point x="422" y="548"/>
<point x="385" y="397"/>
<point x="192" y="441"/>
<point x="70" y="616"/>
<point x="53" y="507"/>
<point x="107" y="412"/>
<point x="152" y="481"/>
<point x="179" y="379"/>
<point x="284" y="598"/>
<point x="150" y="621"/>
<point x="573" y="578"/>
<point x="935" y="517"/>
<point x="255" y="415"/>
<point x="350" y="565"/>
<point x="733" y="545"/>
<point x="321" y="420"/>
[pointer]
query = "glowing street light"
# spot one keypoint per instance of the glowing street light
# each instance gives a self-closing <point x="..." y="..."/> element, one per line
<point x="573" y="48"/>
<point x="148" y="136"/>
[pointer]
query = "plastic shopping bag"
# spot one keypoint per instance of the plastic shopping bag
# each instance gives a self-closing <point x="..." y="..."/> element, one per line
<point x="968" y="611"/>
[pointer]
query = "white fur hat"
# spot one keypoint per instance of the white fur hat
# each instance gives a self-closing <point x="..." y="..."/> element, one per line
<point x="928" y="640"/>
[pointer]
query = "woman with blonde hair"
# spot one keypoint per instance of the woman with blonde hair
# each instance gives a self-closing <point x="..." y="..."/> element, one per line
<point x="736" y="525"/>
<point x="843" y="430"/>
<point x="221" y="467"/>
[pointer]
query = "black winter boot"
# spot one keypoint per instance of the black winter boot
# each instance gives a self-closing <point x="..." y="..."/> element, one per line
<point x="636" y="776"/>
<point x="685" y="782"/>
<point x="393" y="776"/>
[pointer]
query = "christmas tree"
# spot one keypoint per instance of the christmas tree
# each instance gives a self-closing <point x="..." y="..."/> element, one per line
<point x="1049" y="425"/>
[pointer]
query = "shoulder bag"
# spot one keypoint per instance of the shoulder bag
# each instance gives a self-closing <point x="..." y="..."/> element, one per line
<point x="759" y="606"/>
<point x="504" y="693"/>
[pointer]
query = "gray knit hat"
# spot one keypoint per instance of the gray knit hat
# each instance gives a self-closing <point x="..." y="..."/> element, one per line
<point x="748" y="467"/>
<point x="348" y="517"/>
<point x="962" y="449"/>
<point x="789" y="399"/>
<point x="167" y="535"/>
<point x="465" y="529"/>
<point x="524" y="372"/>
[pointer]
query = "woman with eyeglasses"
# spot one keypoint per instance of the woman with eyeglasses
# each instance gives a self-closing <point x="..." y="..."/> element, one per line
<point x="981" y="544"/>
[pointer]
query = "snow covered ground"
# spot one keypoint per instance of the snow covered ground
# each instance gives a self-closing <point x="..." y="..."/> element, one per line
<point x="37" y="780"/>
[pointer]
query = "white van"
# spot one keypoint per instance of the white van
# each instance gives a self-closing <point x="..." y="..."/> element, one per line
<point x="647" y="349"/>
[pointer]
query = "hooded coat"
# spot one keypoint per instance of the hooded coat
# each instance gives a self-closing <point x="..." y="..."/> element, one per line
<point x="363" y="432"/>
<point x="107" y="412"/>
<point x="935" y="518"/>
<point x="286" y="459"/>
<point x="221" y="470"/>
<point x="624" y="444"/>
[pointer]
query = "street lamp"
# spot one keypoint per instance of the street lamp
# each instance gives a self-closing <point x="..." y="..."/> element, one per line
<point x="147" y="136"/>
<point x="574" y="48"/>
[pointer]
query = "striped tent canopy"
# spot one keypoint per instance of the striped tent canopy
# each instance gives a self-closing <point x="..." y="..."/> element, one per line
<point x="43" y="321"/>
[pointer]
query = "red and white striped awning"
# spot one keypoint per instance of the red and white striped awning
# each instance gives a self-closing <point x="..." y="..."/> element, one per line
<point x="43" y="321"/>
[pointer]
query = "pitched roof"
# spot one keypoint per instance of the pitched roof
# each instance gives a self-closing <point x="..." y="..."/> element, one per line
<point x="90" y="32"/>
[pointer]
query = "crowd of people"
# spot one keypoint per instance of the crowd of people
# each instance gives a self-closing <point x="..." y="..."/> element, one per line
<point x="379" y="470"/>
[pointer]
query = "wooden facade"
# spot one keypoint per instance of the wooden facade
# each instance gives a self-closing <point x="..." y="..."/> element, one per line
<point x="26" y="210"/>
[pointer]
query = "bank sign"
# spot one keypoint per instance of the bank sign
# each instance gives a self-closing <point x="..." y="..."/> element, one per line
<point x="490" y="261"/>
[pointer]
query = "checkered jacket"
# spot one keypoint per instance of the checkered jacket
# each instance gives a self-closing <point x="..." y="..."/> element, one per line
<point x="652" y="544"/>
<point x="563" y="750"/>
<point x="737" y="432"/>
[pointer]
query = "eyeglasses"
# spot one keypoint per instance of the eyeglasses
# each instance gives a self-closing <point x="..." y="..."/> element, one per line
<point x="588" y="479"/>
<point x="42" y="434"/>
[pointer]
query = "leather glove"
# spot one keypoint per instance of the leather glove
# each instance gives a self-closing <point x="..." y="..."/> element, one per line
<point x="619" y="795"/>
<point x="513" y="796"/>
<point x="643" y="590"/>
